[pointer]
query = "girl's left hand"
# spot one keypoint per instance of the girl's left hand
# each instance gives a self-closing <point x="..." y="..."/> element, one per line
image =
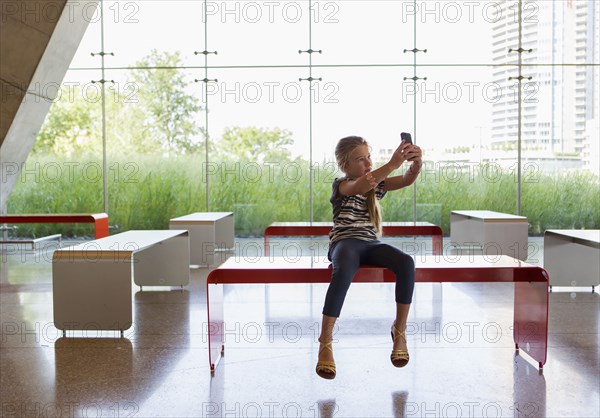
<point x="372" y="180"/>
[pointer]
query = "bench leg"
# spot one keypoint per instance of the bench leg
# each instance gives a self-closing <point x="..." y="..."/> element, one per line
<point x="215" y="331"/>
<point x="164" y="264"/>
<point x="530" y="327"/>
<point x="101" y="227"/>
<point x="438" y="244"/>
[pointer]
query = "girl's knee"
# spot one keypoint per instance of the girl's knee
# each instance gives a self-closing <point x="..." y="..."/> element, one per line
<point x="405" y="259"/>
<point x="408" y="261"/>
<point x="405" y="262"/>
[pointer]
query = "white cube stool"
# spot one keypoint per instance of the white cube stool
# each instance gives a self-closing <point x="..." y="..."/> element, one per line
<point x="211" y="236"/>
<point x="492" y="233"/>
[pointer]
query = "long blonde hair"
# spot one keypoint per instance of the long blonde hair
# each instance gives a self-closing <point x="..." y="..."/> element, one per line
<point x="343" y="149"/>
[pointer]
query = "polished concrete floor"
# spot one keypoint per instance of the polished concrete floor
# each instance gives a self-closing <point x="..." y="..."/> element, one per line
<point x="463" y="361"/>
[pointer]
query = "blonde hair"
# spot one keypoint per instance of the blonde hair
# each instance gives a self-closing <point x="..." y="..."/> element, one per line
<point x="343" y="149"/>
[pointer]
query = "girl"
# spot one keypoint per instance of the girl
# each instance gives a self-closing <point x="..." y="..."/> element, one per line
<point x="354" y="239"/>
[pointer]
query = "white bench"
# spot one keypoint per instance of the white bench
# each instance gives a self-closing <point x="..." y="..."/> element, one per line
<point x="33" y="242"/>
<point x="492" y="233"/>
<point x="91" y="282"/>
<point x="572" y="257"/>
<point x="24" y="241"/>
<point x="211" y="233"/>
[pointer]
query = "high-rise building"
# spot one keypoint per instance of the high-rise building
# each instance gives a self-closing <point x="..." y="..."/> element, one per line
<point x="559" y="104"/>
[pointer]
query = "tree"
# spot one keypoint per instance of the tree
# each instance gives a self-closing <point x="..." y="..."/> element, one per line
<point x="167" y="110"/>
<point x="151" y="113"/>
<point x="255" y="144"/>
<point x="71" y="126"/>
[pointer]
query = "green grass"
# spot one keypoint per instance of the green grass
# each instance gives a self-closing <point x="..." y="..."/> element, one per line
<point x="145" y="192"/>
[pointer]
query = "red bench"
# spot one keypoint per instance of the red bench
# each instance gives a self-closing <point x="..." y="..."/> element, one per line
<point x="389" y="229"/>
<point x="100" y="220"/>
<point x="530" y="330"/>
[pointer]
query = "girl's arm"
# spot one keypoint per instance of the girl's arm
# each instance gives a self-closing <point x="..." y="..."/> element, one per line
<point x="370" y="180"/>
<point x="398" y="182"/>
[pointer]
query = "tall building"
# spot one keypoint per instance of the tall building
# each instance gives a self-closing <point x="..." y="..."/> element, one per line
<point x="560" y="102"/>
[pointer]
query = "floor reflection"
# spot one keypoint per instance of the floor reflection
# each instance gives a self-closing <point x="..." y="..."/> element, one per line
<point x="327" y="408"/>
<point x="399" y="403"/>
<point x="131" y="366"/>
<point x="529" y="389"/>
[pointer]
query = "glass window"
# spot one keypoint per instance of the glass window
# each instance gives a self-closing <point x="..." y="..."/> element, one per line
<point x="464" y="167"/>
<point x="265" y="122"/>
<point x="460" y="32"/>
<point x="91" y="41"/>
<point x="250" y="33"/>
<point x="134" y="29"/>
<point x="354" y="32"/>
<point x="67" y="156"/>
<point x="258" y="138"/>
<point x="368" y="102"/>
<point x="155" y="142"/>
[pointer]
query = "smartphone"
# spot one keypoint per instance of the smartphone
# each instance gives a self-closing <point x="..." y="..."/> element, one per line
<point x="405" y="136"/>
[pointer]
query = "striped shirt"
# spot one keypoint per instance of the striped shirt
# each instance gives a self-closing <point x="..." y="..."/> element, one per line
<point x="351" y="214"/>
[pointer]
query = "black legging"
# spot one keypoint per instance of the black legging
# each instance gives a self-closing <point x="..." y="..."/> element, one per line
<point x="348" y="254"/>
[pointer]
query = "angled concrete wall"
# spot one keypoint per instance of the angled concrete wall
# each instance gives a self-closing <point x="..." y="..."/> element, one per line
<point x="38" y="40"/>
